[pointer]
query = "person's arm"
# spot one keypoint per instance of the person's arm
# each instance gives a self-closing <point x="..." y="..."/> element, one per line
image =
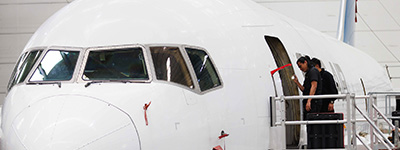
<point x="332" y="90"/>
<point x="312" y="92"/>
<point x="301" y="87"/>
<point x="330" y="107"/>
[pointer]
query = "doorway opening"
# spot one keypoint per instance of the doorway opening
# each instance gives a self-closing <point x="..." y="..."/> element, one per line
<point x="289" y="88"/>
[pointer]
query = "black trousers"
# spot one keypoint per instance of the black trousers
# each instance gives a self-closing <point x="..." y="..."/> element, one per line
<point x="325" y="104"/>
<point x="316" y="107"/>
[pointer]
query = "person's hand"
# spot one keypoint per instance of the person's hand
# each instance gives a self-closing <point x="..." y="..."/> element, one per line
<point x="308" y="105"/>
<point x="330" y="107"/>
<point x="295" y="79"/>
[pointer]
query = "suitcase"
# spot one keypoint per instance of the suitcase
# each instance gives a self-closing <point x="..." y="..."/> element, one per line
<point x="325" y="135"/>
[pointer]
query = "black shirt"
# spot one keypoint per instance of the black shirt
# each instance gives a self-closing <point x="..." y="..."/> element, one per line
<point x="328" y="83"/>
<point x="312" y="75"/>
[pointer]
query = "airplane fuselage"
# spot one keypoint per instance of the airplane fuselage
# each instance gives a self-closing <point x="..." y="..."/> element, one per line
<point x="164" y="108"/>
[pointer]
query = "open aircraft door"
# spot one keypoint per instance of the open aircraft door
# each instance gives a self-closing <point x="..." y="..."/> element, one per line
<point x="288" y="86"/>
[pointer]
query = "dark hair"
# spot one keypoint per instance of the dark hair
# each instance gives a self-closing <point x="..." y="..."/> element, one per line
<point x="316" y="61"/>
<point x="309" y="60"/>
<point x="304" y="59"/>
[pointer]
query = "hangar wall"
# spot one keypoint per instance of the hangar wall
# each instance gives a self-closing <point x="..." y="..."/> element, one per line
<point x="19" y="19"/>
<point x="377" y="31"/>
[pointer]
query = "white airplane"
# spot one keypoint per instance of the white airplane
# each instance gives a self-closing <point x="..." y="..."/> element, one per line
<point x="157" y="74"/>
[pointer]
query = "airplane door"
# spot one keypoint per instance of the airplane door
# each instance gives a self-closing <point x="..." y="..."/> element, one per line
<point x="289" y="88"/>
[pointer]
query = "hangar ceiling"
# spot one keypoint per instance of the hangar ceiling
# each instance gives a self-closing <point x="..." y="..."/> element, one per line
<point x="377" y="30"/>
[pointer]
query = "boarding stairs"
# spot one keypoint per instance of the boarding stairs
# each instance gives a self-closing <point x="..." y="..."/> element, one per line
<point x="377" y="140"/>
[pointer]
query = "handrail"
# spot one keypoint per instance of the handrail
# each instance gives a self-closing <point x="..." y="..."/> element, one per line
<point x="375" y="127"/>
<point x="316" y="122"/>
<point x="339" y="96"/>
<point x="350" y="120"/>
<point x="383" y="116"/>
<point x="384" y="144"/>
<point x="283" y="122"/>
<point x="362" y="142"/>
<point x="383" y="92"/>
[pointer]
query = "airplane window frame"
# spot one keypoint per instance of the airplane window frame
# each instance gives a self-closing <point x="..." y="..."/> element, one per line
<point x="110" y="48"/>
<point x="46" y="58"/>
<point x="18" y="65"/>
<point x="185" y="62"/>
<point x="60" y="48"/>
<point x="13" y="81"/>
<point x="214" y="69"/>
<point x="189" y="65"/>
<point x="77" y="75"/>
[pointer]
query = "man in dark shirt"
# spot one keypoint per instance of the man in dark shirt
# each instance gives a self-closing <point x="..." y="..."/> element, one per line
<point x="312" y="86"/>
<point x="328" y="86"/>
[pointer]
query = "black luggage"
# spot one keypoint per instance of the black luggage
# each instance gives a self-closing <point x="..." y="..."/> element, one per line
<point x="325" y="135"/>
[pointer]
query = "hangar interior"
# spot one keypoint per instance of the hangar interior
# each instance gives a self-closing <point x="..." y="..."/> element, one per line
<point x="377" y="29"/>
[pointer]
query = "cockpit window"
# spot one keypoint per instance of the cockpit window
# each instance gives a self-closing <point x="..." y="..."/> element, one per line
<point x="170" y="66"/>
<point x="57" y="65"/>
<point x="23" y="67"/>
<point x="16" y="69"/>
<point x="204" y="69"/>
<point x="116" y="64"/>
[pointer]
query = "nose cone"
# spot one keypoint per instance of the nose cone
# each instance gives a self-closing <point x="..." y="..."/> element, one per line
<point x="73" y="122"/>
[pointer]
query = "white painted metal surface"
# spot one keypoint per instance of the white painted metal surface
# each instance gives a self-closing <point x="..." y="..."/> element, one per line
<point x="378" y="24"/>
<point x="232" y="31"/>
<point x="321" y="15"/>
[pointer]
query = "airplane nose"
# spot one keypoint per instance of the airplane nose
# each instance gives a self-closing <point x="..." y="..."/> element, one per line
<point x="66" y="122"/>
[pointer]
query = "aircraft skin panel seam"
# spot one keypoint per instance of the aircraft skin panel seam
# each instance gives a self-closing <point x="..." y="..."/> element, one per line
<point x="19" y="138"/>
<point x="103" y="136"/>
<point x="132" y="121"/>
<point x="57" y="120"/>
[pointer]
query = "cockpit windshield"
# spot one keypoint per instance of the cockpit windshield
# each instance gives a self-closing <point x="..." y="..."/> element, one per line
<point x="170" y="66"/>
<point x="116" y="64"/>
<point x="23" y="66"/>
<point x="57" y="65"/>
<point x="185" y="66"/>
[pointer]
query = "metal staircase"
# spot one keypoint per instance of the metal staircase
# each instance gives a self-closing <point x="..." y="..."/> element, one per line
<point x="378" y="140"/>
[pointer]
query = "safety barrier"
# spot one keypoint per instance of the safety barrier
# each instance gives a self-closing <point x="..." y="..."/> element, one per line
<point x="378" y="139"/>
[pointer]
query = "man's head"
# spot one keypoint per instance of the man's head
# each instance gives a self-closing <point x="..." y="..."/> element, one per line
<point x="316" y="62"/>
<point x="304" y="63"/>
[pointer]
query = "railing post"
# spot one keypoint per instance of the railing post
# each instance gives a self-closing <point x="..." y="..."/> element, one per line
<point x="301" y="109"/>
<point x="272" y="103"/>
<point x="348" y="123"/>
<point x="389" y="98"/>
<point x="396" y="133"/>
<point x="371" y="129"/>
<point x="283" y="120"/>
<point x="374" y="113"/>
<point x="386" y="106"/>
<point x="353" y="121"/>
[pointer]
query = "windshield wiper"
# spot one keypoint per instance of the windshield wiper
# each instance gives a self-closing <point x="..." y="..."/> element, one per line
<point x="123" y="81"/>
<point x="91" y="82"/>
<point x="107" y="81"/>
<point x="42" y="83"/>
